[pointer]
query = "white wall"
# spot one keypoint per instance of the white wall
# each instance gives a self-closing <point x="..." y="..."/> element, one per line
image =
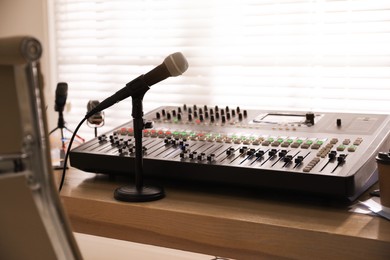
<point x="29" y="17"/>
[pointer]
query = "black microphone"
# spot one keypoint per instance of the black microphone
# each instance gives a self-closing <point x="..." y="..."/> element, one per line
<point x="173" y="65"/>
<point x="97" y="118"/>
<point x="61" y="95"/>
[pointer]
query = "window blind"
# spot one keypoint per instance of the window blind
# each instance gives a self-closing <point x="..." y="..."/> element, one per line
<point x="306" y="55"/>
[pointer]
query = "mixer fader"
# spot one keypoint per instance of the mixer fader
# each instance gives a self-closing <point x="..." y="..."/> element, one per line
<point x="325" y="153"/>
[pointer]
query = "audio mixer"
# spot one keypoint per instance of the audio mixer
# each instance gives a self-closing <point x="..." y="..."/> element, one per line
<point x="331" y="154"/>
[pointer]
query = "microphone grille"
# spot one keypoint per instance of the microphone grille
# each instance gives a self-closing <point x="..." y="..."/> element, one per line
<point x="176" y="64"/>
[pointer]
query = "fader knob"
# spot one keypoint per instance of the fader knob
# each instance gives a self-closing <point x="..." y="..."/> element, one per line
<point x="190" y="117"/>
<point x="228" y="116"/>
<point x="332" y="155"/>
<point x="243" y="149"/>
<point x="158" y="115"/>
<point x="206" y="114"/>
<point x="223" y="119"/>
<point x="212" y="118"/>
<point x="272" y="152"/>
<point x="201" y="117"/>
<point x="179" y="116"/>
<point x="259" y="154"/>
<point x="210" y="157"/>
<point x="299" y="159"/>
<point x="245" y="113"/>
<point x="310" y="118"/>
<point x="163" y="112"/>
<point x="240" y="116"/>
<point x="230" y="151"/>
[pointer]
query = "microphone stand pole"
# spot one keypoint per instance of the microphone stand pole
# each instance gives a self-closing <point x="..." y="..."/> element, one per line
<point x="61" y="126"/>
<point x="138" y="192"/>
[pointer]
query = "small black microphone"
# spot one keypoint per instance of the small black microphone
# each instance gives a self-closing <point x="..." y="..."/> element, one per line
<point x="173" y="65"/>
<point x="97" y="118"/>
<point x="61" y="95"/>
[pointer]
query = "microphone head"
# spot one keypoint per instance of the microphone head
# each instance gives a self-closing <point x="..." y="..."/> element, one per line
<point x="176" y="64"/>
<point x="61" y="96"/>
<point x="97" y="118"/>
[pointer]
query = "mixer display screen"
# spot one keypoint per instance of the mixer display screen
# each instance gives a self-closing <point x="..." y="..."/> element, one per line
<point x="322" y="153"/>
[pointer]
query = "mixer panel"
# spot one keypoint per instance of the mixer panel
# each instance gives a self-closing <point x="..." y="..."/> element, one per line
<point x="324" y="153"/>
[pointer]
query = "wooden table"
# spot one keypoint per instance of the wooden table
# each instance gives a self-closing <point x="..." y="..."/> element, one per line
<point x="225" y="221"/>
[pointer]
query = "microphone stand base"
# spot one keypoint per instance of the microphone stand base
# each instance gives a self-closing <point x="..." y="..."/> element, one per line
<point x="130" y="193"/>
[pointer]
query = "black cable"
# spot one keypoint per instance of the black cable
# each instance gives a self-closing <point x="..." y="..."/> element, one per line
<point x="67" y="152"/>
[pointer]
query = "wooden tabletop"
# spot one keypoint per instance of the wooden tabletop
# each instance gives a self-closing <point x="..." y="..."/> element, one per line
<point x="226" y="221"/>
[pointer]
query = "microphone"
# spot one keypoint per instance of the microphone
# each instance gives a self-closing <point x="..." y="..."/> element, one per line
<point x="61" y="95"/>
<point x="97" y="118"/>
<point x="173" y="65"/>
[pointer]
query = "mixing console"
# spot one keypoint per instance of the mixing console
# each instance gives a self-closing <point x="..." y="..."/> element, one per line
<point x="320" y="153"/>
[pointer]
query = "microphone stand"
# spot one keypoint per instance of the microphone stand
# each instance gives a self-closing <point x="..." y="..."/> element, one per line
<point x="61" y="126"/>
<point x="138" y="192"/>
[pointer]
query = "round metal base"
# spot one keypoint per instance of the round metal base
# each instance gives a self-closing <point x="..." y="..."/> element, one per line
<point x="130" y="193"/>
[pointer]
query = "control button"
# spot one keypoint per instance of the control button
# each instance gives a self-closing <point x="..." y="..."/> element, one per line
<point x="338" y="122"/>
<point x="358" y="141"/>
<point x="340" y="148"/>
<point x="346" y="141"/>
